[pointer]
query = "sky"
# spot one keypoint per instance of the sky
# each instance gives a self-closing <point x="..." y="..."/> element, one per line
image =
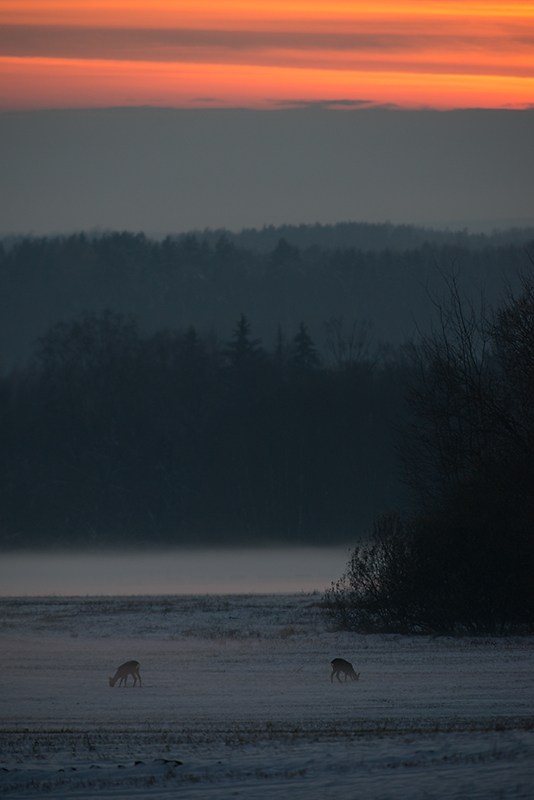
<point x="226" y="53"/>
<point x="176" y="114"/>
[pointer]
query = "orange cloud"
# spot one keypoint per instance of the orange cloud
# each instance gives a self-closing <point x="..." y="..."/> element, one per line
<point x="167" y="52"/>
<point x="45" y="83"/>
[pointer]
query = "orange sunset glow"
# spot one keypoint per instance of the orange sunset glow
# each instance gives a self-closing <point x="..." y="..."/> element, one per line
<point x="212" y="53"/>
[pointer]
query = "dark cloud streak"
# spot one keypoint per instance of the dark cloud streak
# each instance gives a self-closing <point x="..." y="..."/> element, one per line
<point x="345" y="103"/>
<point x="161" y="44"/>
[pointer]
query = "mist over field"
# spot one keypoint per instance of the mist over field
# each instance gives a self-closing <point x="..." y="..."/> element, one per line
<point x="225" y="570"/>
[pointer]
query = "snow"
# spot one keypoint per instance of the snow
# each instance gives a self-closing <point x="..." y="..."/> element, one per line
<point x="237" y="702"/>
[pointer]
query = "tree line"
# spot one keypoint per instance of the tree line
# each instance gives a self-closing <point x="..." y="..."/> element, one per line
<point x="365" y="236"/>
<point x="380" y="274"/>
<point x="114" y="437"/>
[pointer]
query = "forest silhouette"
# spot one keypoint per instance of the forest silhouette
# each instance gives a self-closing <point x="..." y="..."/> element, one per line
<point x="147" y="409"/>
<point x="113" y="438"/>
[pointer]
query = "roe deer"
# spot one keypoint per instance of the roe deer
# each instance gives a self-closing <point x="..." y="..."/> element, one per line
<point x="129" y="668"/>
<point x="340" y="665"/>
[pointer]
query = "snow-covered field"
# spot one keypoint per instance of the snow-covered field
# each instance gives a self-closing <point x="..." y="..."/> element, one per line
<point x="237" y="702"/>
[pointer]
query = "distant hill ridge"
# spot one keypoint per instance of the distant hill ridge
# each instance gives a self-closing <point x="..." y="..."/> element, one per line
<point x="279" y="277"/>
<point x="365" y="236"/>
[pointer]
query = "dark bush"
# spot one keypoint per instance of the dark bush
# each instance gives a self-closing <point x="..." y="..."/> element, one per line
<point x="463" y="561"/>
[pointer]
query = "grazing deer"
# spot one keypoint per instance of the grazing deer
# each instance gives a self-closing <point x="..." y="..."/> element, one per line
<point x="340" y="665"/>
<point x="129" y="668"/>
